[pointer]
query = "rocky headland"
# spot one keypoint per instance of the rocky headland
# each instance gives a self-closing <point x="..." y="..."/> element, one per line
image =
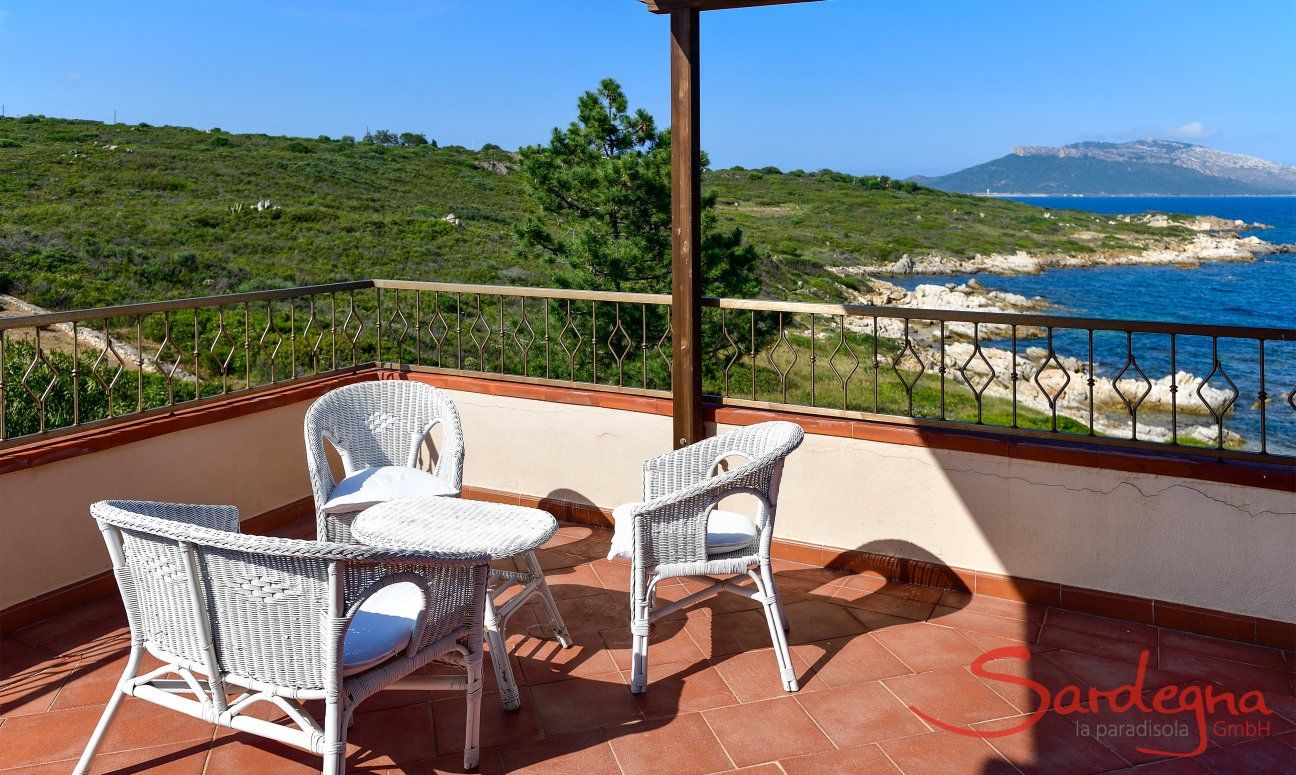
<point x="1202" y="248"/>
<point x="1212" y="239"/>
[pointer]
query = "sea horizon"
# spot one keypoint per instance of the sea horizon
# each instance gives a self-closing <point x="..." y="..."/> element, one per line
<point x="997" y="195"/>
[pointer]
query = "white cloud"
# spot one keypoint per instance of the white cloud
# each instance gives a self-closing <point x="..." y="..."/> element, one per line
<point x="1193" y="130"/>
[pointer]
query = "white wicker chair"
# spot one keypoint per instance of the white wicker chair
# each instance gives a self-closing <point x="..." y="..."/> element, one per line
<point x="384" y="423"/>
<point x="681" y="489"/>
<point x="379" y="423"/>
<point x="240" y="620"/>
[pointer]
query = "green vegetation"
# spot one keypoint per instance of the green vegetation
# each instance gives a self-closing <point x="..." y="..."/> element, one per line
<point x="94" y="214"/>
<point x="171" y="212"/>
<point x="805" y="221"/>
<point x="94" y="401"/>
<point x="604" y="186"/>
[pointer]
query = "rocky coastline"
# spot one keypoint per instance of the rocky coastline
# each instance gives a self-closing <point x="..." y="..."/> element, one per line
<point x="1202" y="248"/>
<point x="1043" y="384"/>
<point x="1213" y="239"/>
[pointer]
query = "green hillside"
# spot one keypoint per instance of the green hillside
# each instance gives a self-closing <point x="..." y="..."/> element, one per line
<point x="807" y="221"/>
<point x="94" y="214"/>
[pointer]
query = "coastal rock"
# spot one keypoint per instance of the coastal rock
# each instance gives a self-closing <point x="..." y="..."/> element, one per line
<point x="498" y="167"/>
<point x="1196" y="223"/>
<point x="1204" y="246"/>
<point x="1185" y="396"/>
<point x="970" y="297"/>
<point x="1044" y="384"/>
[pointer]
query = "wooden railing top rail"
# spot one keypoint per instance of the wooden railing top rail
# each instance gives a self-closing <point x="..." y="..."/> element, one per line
<point x="760" y="305"/>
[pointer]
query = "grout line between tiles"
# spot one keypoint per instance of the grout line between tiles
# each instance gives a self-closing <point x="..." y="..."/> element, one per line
<point x="719" y="742"/>
<point x="905" y="705"/>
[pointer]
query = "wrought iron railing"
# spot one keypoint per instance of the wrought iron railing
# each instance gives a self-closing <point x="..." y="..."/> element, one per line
<point x="68" y="371"/>
<point x="1222" y="391"/>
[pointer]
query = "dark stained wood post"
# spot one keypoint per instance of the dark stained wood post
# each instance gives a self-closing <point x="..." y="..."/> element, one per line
<point x="686" y="227"/>
<point x="686" y="207"/>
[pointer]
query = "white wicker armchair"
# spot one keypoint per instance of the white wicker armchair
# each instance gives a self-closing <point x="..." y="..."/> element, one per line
<point x="385" y="423"/>
<point x="240" y="620"/>
<point x="681" y="489"/>
<point x="372" y="424"/>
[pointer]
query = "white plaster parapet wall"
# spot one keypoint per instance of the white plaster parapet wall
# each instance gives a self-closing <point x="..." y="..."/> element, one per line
<point x="48" y="540"/>
<point x="1206" y="544"/>
<point x="1187" y="541"/>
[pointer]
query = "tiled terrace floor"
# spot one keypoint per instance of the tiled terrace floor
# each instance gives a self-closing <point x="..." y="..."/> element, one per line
<point x="865" y="652"/>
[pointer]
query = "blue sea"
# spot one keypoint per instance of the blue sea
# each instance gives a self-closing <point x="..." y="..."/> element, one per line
<point x="1262" y="293"/>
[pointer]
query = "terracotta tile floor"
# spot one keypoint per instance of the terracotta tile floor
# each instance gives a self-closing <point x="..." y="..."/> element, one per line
<point x="867" y="653"/>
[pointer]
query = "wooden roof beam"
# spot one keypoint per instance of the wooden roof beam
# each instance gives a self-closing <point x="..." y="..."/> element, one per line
<point x="667" y="6"/>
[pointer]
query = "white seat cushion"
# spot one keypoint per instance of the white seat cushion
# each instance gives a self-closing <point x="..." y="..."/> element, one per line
<point x="727" y="531"/>
<point x="371" y="486"/>
<point x="382" y="627"/>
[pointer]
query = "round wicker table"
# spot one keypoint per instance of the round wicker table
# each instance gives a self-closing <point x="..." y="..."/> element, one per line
<point x="475" y="527"/>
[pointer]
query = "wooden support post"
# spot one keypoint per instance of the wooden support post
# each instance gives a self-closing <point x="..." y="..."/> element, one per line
<point x="686" y="227"/>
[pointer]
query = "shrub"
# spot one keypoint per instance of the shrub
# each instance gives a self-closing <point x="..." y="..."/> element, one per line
<point x="160" y="183"/>
<point x="382" y="137"/>
<point x="296" y="146"/>
<point x="206" y="220"/>
<point x="219" y="142"/>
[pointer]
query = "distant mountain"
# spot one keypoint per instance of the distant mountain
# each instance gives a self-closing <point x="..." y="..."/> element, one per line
<point x="1147" y="167"/>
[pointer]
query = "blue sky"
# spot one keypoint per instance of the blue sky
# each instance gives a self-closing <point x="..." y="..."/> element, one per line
<point x="859" y="85"/>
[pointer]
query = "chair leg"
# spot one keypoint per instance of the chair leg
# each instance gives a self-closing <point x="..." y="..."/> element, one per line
<point x="778" y="603"/>
<point x="778" y="637"/>
<point x="335" y="726"/>
<point x="509" y="695"/>
<point x="114" y="702"/>
<point x="546" y="598"/>
<point x="639" y="662"/>
<point x="640" y="628"/>
<point x="472" y="724"/>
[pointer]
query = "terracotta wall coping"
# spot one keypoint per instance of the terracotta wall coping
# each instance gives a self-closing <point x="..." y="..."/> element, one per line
<point x="1074" y="452"/>
<point x="52" y="450"/>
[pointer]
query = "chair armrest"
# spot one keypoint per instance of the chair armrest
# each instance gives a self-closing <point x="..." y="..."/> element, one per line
<point x="213" y="517"/>
<point x="673" y="528"/>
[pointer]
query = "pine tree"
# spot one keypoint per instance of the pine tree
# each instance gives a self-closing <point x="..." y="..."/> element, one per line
<point x="603" y="186"/>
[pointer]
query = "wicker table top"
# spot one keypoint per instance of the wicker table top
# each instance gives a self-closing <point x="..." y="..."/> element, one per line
<point x="454" y="525"/>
